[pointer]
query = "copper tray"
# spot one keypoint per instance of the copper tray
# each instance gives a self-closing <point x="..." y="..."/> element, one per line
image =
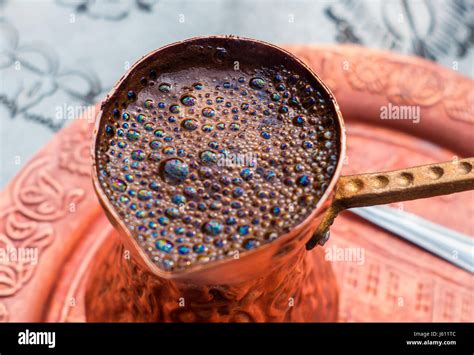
<point x="51" y="205"/>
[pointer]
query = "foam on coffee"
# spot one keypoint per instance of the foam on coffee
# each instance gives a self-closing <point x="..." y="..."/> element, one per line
<point x="204" y="162"/>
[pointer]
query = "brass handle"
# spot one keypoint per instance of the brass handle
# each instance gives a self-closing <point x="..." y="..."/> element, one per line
<point x="394" y="186"/>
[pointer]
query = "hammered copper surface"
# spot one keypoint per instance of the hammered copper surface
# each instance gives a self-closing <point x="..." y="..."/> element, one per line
<point x="287" y="292"/>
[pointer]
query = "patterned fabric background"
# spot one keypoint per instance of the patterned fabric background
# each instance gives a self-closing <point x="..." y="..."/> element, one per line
<point x="59" y="56"/>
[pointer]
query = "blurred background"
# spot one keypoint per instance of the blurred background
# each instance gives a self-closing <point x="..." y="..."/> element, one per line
<point x="60" y="56"/>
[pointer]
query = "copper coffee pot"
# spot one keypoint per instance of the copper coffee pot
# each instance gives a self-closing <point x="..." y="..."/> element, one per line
<point x="279" y="281"/>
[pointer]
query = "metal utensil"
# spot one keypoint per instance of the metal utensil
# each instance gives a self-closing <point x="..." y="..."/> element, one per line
<point x="454" y="247"/>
